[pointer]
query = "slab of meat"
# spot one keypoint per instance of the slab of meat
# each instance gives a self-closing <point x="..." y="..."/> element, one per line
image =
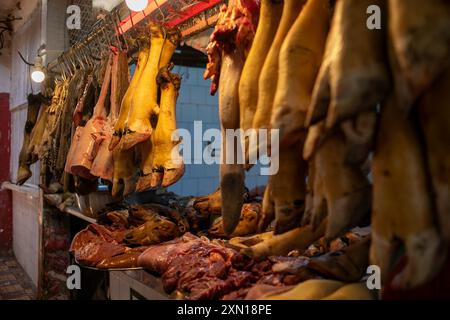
<point x="125" y="260"/>
<point x="158" y="258"/>
<point x="298" y="238"/>
<point x="73" y="148"/>
<point x="34" y="105"/>
<point x="62" y="141"/>
<point x="159" y="166"/>
<point x="168" y="165"/>
<point x="88" y="90"/>
<point x="103" y="165"/>
<point x="38" y="132"/>
<point x="354" y="76"/>
<point x="94" y="233"/>
<point x="402" y="207"/>
<point x="299" y="62"/>
<point x="201" y="269"/>
<point x="353" y="79"/>
<point x="227" y="50"/>
<point x="58" y="96"/>
<point x="349" y="264"/>
<point x="91" y="136"/>
<point x="48" y="154"/>
<point x="247" y="224"/>
<point x="144" y="103"/>
<point x="95" y="244"/>
<point x="435" y="122"/>
<point x="155" y="230"/>
<point x="83" y="238"/>
<point x="344" y="189"/>
<point x="269" y="19"/>
<point x="268" y="79"/>
<point x="93" y="253"/>
<point x="420" y="33"/>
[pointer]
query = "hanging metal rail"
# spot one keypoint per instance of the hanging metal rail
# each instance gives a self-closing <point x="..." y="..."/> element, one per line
<point x="190" y="16"/>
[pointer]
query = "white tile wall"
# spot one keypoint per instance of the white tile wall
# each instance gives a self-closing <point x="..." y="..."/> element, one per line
<point x="196" y="104"/>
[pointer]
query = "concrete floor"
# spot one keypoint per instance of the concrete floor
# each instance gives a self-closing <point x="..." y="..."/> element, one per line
<point x="14" y="282"/>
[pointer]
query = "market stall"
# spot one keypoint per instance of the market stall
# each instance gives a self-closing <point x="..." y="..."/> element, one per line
<point x="347" y="99"/>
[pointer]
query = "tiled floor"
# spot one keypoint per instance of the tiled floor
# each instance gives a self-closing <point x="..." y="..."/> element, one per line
<point x="14" y="282"/>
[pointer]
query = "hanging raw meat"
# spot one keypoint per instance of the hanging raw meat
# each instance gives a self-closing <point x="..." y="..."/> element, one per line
<point x="434" y="115"/>
<point x="144" y="105"/>
<point x="280" y="245"/>
<point x="420" y="32"/>
<point x="168" y="166"/>
<point x="267" y="210"/>
<point x="303" y="46"/>
<point x="152" y="173"/>
<point x="402" y="202"/>
<point x="269" y="19"/>
<point x="269" y="74"/>
<point x="80" y="109"/>
<point x="120" y="126"/>
<point x="91" y="135"/>
<point x="227" y="50"/>
<point x="125" y="166"/>
<point x="299" y="62"/>
<point x="62" y="142"/>
<point x="34" y="105"/>
<point x="47" y="154"/>
<point x="354" y="76"/>
<point x="247" y="225"/>
<point x="125" y="173"/>
<point x="82" y="114"/>
<point x="344" y="188"/>
<point x="38" y="132"/>
<point x="103" y="165"/>
<point x="315" y="203"/>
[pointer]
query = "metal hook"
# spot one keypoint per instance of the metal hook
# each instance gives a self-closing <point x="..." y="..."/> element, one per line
<point x="116" y="19"/>
<point x="72" y="61"/>
<point x="115" y="34"/>
<point x="86" y="56"/>
<point x="82" y="57"/>
<point x="77" y="54"/>
<point x="98" y="44"/>
<point x="92" y="56"/>
<point x="161" y="12"/>
<point x="131" y="17"/>
<point x="69" y="65"/>
<point x="106" y="38"/>
<point x="62" y="67"/>
<point x="66" y="70"/>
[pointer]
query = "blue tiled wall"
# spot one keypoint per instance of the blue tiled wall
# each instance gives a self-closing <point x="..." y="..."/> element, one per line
<point x="196" y="104"/>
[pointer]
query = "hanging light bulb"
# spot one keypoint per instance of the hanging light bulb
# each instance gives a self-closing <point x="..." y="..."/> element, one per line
<point x="137" y="5"/>
<point x="38" y="71"/>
